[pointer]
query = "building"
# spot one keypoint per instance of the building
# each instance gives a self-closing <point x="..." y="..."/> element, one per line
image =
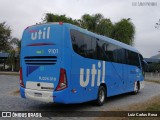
<point x="3" y="59"/>
<point x="3" y="62"/>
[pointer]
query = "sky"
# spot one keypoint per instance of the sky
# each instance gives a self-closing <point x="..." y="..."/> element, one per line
<point x="18" y="14"/>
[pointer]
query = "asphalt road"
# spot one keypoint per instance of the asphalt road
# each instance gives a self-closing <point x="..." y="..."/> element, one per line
<point x="13" y="102"/>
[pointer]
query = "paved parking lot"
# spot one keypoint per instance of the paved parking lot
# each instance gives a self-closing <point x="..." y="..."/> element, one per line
<point x="11" y="101"/>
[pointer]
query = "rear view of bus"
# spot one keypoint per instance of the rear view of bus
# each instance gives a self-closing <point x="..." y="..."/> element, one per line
<point x="42" y="74"/>
<point x="63" y="63"/>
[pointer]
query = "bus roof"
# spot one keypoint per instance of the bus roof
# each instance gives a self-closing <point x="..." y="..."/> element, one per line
<point x="101" y="37"/>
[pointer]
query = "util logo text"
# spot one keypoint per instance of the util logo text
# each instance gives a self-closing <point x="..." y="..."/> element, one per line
<point x="96" y="75"/>
<point x="40" y="34"/>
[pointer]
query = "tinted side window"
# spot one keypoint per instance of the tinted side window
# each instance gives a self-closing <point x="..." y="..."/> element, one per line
<point x="101" y="51"/>
<point x="109" y="51"/>
<point x="77" y="42"/>
<point x="87" y="46"/>
<point x="136" y="59"/>
<point x="142" y="62"/>
<point x="83" y="44"/>
<point x="119" y="54"/>
<point x="91" y="47"/>
<point x="94" y="50"/>
<point x="133" y="58"/>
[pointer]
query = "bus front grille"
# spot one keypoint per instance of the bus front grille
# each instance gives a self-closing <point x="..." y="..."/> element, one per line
<point x="40" y="60"/>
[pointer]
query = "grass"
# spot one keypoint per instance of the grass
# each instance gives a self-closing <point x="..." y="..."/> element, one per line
<point x="151" y="105"/>
<point x="154" y="107"/>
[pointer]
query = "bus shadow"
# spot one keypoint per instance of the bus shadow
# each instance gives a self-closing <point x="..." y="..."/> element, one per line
<point x="118" y="97"/>
<point x="77" y="107"/>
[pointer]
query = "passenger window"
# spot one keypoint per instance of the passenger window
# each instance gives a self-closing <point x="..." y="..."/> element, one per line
<point x="77" y="42"/>
<point x="91" y="47"/>
<point x="87" y="46"/>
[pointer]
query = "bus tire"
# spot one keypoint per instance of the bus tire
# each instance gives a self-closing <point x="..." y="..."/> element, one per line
<point x="136" y="91"/>
<point x="101" y="97"/>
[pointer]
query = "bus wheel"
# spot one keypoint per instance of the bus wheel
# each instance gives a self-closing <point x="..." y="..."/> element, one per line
<point x="101" y="96"/>
<point x="136" y="90"/>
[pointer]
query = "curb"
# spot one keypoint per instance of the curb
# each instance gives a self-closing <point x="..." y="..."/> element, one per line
<point x="9" y="73"/>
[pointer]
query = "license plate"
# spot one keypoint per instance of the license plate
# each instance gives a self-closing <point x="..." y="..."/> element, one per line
<point x="38" y="94"/>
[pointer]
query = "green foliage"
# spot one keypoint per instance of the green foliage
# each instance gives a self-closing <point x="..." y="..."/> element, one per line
<point x="90" y="22"/>
<point x="154" y="107"/>
<point x="123" y="30"/>
<point x="5" y="35"/>
<point x="105" y="27"/>
<point x="17" y="43"/>
<point x="14" y="54"/>
<point x="11" y="58"/>
<point x="49" y="17"/>
<point x="6" y="44"/>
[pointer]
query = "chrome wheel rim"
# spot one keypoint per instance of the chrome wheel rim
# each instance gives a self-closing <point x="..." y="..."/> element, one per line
<point x="136" y="90"/>
<point x="101" y="96"/>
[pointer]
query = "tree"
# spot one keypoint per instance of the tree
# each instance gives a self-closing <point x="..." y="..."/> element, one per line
<point x="14" y="54"/>
<point x="90" y="22"/>
<point x="105" y="27"/>
<point x="49" y="17"/>
<point x="17" y="43"/>
<point x="5" y="35"/>
<point x="124" y="31"/>
<point x="11" y="59"/>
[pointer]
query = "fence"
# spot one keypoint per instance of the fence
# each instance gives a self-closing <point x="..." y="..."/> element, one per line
<point x="152" y="76"/>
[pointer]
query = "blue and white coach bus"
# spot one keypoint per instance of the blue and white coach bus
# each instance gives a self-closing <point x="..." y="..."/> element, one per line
<point x="63" y="63"/>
